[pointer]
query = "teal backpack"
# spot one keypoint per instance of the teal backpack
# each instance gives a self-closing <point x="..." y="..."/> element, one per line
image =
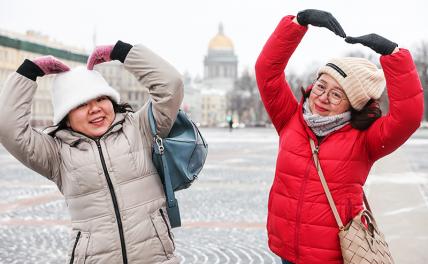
<point x="178" y="158"/>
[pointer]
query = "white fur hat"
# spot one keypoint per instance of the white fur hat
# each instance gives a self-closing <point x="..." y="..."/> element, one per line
<point x="77" y="86"/>
<point x="359" y="78"/>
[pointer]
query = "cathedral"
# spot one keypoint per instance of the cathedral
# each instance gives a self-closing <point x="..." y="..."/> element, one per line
<point x="220" y="74"/>
<point x="221" y="63"/>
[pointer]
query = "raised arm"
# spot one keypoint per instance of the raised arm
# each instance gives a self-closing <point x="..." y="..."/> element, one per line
<point x="405" y="96"/>
<point x="164" y="83"/>
<point x="276" y="94"/>
<point x="36" y="150"/>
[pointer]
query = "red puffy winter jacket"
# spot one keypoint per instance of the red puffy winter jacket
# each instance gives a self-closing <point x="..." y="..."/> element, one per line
<point x="301" y="226"/>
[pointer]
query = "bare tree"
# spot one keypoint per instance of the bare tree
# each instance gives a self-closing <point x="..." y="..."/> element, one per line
<point x="239" y="98"/>
<point x="360" y="54"/>
<point x="295" y="82"/>
<point x="301" y="81"/>
<point x="244" y="100"/>
<point x="421" y="61"/>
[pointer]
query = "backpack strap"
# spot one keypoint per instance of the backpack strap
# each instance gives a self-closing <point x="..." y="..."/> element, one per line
<point x="172" y="208"/>
<point x="152" y="120"/>
<point x="172" y="204"/>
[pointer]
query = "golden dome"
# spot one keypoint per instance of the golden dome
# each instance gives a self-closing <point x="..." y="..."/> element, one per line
<point x="220" y="41"/>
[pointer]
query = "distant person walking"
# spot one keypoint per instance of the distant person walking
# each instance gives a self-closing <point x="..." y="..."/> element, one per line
<point x="230" y="123"/>
<point x="340" y="113"/>
<point x="99" y="152"/>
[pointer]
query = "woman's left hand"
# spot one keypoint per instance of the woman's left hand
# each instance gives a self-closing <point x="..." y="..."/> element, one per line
<point x="377" y="43"/>
<point x="99" y="55"/>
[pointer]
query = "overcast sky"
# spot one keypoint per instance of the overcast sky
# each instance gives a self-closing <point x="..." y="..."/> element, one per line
<point x="180" y="30"/>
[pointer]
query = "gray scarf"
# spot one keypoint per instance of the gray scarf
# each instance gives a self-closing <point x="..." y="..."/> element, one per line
<point x="324" y="125"/>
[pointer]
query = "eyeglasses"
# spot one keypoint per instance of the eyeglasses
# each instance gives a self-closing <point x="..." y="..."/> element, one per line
<point x="334" y="96"/>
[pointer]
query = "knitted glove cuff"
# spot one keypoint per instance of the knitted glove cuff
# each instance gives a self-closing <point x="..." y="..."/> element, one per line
<point x="30" y="70"/>
<point x="120" y="51"/>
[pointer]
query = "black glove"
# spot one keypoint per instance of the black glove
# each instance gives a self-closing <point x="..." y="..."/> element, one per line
<point x="320" y="18"/>
<point x="377" y="43"/>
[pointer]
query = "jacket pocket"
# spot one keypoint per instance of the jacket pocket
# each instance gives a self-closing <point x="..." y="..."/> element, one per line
<point x="79" y="248"/>
<point x="163" y="231"/>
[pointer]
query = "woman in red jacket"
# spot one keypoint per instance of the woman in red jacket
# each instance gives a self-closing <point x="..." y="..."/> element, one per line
<point x="339" y="112"/>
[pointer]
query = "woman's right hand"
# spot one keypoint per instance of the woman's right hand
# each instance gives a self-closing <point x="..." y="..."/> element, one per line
<point x="320" y="18"/>
<point x="50" y="64"/>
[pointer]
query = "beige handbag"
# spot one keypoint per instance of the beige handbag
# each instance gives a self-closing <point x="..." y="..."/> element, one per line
<point x="360" y="242"/>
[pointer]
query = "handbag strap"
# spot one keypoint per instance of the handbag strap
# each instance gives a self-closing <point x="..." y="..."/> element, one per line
<point x="324" y="184"/>
<point x="327" y="190"/>
<point x="366" y="203"/>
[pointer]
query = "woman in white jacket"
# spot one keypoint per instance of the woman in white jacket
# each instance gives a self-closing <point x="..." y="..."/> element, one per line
<point x="99" y="154"/>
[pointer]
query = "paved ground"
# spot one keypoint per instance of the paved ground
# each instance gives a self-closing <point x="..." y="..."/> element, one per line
<point x="224" y="212"/>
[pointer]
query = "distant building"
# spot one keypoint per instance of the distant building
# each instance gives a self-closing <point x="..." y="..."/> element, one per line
<point x="213" y="107"/>
<point x="15" y="48"/>
<point x="220" y="74"/>
<point x="192" y="101"/>
<point x="221" y="63"/>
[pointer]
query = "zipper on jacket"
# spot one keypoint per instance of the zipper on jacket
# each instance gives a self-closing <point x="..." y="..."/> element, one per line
<point x="166" y="223"/>
<point x="74" y="247"/>
<point x="299" y="212"/>
<point x="115" y="204"/>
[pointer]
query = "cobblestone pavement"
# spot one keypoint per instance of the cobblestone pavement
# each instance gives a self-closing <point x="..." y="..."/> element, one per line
<point x="223" y="213"/>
